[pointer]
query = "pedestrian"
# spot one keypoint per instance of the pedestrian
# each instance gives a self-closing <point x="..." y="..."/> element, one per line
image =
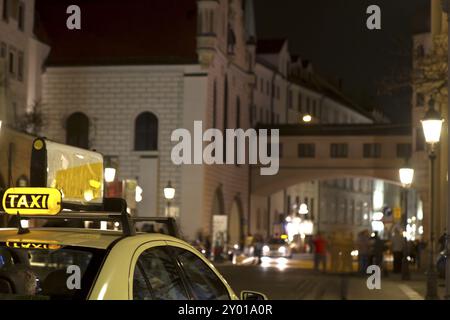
<point x="258" y="248"/>
<point x="207" y="246"/>
<point x="397" y="247"/>
<point x="363" y="247"/>
<point x="320" y="252"/>
<point x="377" y="248"/>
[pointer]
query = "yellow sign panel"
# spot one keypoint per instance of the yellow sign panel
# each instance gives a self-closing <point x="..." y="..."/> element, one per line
<point x="32" y="201"/>
<point x="397" y="213"/>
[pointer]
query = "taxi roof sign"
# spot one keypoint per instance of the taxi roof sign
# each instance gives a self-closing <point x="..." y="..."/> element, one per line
<point x="32" y="201"/>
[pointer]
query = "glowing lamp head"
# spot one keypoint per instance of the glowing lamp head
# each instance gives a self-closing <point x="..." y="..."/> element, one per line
<point x="110" y="174"/>
<point x="169" y="192"/>
<point x="303" y="209"/>
<point x="432" y="124"/>
<point x="406" y="176"/>
<point x="307" y="118"/>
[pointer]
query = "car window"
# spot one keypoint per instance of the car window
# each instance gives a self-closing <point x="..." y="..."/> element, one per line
<point x="203" y="282"/>
<point x="156" y="277"/>
<point x="44" y="273"/>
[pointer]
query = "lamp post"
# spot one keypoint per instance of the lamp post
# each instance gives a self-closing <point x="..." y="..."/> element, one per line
<point x="432" y="126"/>
<point x="169" y="194"/>
<point x="406" y="175"/>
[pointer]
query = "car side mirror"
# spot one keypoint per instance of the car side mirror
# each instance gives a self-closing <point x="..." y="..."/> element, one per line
<point x="253" y="295"/>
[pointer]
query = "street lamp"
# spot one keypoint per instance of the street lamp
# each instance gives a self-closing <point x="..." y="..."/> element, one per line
<point x="169" y="194"/>
<point x="110" y="174"/>
<point x="432" y="126"/>
<point x="406" y="175"/>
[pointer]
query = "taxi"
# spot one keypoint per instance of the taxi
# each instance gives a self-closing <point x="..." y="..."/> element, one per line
<point x="61" y="258"/>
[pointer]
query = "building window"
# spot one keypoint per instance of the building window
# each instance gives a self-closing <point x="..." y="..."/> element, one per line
<point x="306" y="150"/>
<point x="214" y="120"/>
<point x="21" y="16"/>
<point x="404" y="150"/>
<point x="20" y="67"/>
<point x="146" y="132"/>
<point x="77" y="130"/>
<point x="238" y="112"/>
<point x="278" y="92"/>
<point x="291" y="100"/>
<point x="420" y="100"/>
<point x="339" y="150"/>
<point x="6" y="10"/>
<point x="372" y="150"/>
<point x="3" y="50"/>
<point x="12" y="62"/>
<point x="300" y="105"/>
<point x="308" y="107"/>
<point x="420" y="140"/>
<point x="268" y="88"/>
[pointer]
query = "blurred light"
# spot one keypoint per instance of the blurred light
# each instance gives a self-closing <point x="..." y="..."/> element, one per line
<point x="420" y="230"/>
<point x="110" y="174"/>
<point x="307" y="118"/>
<point x="169" y="192"/>
<point x="372" y="234"/>
<point x="432" y="130"/>
<point x="409" y="220"/>
<point x="284" y="236"/>
<point x="307" y="227"/>
<point x="266" y="249"/>
<point x="103" y="225"/>
<point x="354" y="253"/>
<point x="366" y="216"/>
<point x="406" y="176"/>
<point x="88" y="195"/>
<point x="288" y="219"/>
<point x="25" y="224"/>
<point x="377" y="226"/>
<point x="377" y="216"/>
<point x="282" y="250"/>
<point x="303" y="209"/>
<point x="138" y="194"/>
<point x="236" y="247"/>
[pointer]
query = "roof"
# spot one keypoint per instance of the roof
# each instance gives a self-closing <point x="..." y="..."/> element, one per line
<point x="64" y="236"/>
<point x="90" y="238"/>
<point x="127" y="32"/>
<point x="319" y="85"/>
<point x="264" y="46"/>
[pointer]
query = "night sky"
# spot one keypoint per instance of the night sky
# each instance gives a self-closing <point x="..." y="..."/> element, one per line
<point x="333" y="35"/>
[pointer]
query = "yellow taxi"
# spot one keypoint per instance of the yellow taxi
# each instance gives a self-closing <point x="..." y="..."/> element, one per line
<point x="63" y="258"/>
<point x="81" y="263"/>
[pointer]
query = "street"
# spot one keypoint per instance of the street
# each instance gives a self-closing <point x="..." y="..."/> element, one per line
<point x="295" y="282"/>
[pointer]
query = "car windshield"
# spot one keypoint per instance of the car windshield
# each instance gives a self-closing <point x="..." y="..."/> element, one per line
<point x="63" y="273"/>
<point x="277" y="241"/>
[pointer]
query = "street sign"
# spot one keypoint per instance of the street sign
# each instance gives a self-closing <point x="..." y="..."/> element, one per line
<point x="32" y="201"/>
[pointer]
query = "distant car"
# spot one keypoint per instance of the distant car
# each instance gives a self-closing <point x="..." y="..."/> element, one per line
<point x="275" y="248"/>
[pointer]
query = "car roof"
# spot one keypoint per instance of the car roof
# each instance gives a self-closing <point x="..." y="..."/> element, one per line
<point x="90" y="238"/>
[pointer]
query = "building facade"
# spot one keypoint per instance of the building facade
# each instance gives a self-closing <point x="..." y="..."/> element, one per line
<point x="125" y="95"/>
